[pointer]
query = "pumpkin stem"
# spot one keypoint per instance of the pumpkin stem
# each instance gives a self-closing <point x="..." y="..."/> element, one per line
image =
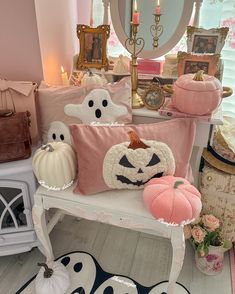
<point x="48" y="146"/>
<point x="177" y="184"/>
<point x="90" y="72"/>
<point x="199" y="76"/>
<point x="48" y="271"/>
<point x="136" y="142"/>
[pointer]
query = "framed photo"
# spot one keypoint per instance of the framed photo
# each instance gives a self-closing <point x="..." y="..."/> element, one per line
<point x="154" y="97"/>
<point x="202" y="41"/>
<point x="192" y="63"/>
<point x="93" y="46"/>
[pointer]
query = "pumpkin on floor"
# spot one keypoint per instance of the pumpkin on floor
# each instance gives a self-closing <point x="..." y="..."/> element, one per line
<point x="130" y="165"/>
<point x="172" y="199"/>
<point x="53" y="278"/>
<point x="54" y="165"/>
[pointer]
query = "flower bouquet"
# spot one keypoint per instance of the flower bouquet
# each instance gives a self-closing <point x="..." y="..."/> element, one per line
<point x="205" y="235"/>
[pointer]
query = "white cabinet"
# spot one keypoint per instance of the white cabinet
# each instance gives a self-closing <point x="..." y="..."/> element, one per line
<point x="17" y="186"/>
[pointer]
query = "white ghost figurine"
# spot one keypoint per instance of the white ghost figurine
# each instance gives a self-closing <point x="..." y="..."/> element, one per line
<point x="58" y="132"/>
<point x="96" y="107"/>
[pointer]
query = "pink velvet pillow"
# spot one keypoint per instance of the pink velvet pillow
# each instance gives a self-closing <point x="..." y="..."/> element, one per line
<point x="93" y="142"/>
<point x="52" y="101"/>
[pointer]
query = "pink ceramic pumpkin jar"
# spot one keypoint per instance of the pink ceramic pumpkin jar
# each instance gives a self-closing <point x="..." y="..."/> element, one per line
<point x="197" y="94"/>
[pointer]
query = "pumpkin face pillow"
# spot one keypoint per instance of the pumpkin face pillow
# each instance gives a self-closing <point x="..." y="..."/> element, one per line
<point x="130" y="165"/>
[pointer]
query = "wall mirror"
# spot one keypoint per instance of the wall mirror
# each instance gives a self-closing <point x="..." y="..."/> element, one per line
<point x="175" y="18"/>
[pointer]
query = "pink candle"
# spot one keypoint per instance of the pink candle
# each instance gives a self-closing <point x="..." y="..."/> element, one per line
<point x="158" y="8"/>
<point x="136" y="14"/>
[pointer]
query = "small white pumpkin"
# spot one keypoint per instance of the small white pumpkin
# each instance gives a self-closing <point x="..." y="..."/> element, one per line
<point x="52" y="278"/>
<point x="54" y="165"/>
<point x="90" y="78"/>
<point x="130" y="165"/>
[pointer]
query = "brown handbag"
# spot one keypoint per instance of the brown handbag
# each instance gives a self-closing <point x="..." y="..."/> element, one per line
<point x="15" y="140"/>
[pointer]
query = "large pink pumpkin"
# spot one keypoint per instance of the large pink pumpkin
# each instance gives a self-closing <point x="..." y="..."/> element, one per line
<point x="172" y="199"/>
<point x="197" y="94"/>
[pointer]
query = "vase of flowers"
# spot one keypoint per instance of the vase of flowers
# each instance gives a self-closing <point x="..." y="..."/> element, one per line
<point x="205" y="235"/>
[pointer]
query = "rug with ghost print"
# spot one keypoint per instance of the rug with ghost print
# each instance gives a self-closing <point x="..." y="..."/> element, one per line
<point x="87" y="277"/>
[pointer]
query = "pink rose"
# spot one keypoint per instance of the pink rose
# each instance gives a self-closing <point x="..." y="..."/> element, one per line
<point x="210" y="222"/>
<point x="198" y="234"/>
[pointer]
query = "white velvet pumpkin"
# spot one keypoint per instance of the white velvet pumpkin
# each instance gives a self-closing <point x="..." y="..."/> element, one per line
<point x="90" y="78"/>
<point x="132" y="165"/>
<point x="52" y="280"/>
<point x="54" y="165"/>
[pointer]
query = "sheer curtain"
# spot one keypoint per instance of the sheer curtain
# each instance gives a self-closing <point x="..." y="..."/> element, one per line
<point x="216" y="13"/>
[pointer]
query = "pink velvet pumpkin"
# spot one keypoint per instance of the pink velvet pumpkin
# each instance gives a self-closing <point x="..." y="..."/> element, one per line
<point x="197" y="94"/>
<point x="172" y="199"/>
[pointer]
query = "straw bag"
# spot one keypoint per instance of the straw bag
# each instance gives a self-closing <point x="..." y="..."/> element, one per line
<point x="15" y="142"/>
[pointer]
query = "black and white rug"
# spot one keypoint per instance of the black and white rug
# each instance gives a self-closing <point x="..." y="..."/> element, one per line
<point x="87" y="277"/>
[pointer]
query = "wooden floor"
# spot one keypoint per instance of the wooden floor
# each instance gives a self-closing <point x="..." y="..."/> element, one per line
<point x="143" y="257"/>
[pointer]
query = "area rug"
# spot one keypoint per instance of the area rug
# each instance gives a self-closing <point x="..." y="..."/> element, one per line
<point x="87" y="277"/>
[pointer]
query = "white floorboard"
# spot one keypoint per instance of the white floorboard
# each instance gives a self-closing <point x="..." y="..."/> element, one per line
<point x="143" y="257"/>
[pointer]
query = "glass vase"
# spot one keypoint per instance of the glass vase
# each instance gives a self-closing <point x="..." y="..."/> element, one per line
<point x="212" y="264"/>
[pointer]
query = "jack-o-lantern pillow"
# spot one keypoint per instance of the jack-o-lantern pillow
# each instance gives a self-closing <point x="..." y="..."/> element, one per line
<point x="126" y="157"/>
<point x="130" y="165"/>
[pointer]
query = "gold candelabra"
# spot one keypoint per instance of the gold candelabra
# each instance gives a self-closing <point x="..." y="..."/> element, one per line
<point x="134" y="46"/>
<point x="156" y="30"/>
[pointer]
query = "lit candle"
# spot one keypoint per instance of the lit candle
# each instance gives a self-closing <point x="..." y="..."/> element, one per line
<point x="64" y="77"/>
<point x="136" y="14"/>
<point x="158" y="8"/>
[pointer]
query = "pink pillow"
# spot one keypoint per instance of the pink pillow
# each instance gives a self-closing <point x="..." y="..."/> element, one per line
<point x="93" y="142"/>
<point x="172" y="199"/>
<point x="52" y="101"/>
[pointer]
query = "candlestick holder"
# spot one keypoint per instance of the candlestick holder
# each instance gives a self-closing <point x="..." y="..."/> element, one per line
<point x="137" y="45"/>
<point x="156" y="30"/>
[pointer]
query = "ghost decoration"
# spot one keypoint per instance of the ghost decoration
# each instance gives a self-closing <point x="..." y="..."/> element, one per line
<point x="58" y="132"/>
<point x="130" y="165"/>
<point x="96" y="107"/>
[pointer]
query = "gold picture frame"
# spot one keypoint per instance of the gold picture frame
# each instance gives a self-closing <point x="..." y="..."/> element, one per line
<point x="93" y="46"/>
<point x="192" y="63"/>
<point x="205" y="41"/>
<point x="153" y="97"/>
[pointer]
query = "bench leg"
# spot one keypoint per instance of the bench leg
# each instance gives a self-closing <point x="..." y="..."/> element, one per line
<point x="178" y="246"/>
<point x="40" y="227"/>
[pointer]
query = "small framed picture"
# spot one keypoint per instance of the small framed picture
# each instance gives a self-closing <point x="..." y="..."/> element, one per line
<point x="154" y="97"/>
<point x="192" y="63"/>
<point x="93" y="46"/>
<point x="202" y="41"/>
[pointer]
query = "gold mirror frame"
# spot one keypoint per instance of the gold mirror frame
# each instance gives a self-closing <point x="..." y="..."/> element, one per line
<point x="103" y="32"/>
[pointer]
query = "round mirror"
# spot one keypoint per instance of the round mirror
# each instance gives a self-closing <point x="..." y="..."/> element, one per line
<point x="174" y="19"/>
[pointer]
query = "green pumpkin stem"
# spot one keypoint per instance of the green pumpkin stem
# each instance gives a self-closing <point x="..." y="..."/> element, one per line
<point x="199" y="76"/>
<point x="48" y="271"/>
<point x="136" y="142"/>
<point x="47" y="146"/>
<point x="90" y="72"/>
<point x="177" y="184"/>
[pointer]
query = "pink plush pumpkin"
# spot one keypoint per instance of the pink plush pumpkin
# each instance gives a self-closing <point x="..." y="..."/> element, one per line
<point x="172" y="199"/>
<point x="197" y="94"/>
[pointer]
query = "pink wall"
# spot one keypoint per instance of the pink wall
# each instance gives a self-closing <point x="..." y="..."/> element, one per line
<point x="20" y="57"/>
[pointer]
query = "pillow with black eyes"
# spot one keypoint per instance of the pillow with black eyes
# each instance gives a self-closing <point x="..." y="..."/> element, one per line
<point x="127" y="157"/>
<point x="61" y="106"/>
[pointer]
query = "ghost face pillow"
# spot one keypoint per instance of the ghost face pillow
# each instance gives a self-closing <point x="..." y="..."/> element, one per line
<point x="96" y="107"/>
<point x="130" y="165"/>
<point x="58" y="132"/>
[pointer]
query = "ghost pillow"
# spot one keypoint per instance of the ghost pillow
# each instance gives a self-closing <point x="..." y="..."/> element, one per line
<point x="130" y="165"/>
<point x="58" y="132"/>
<point x="97" y="106"/>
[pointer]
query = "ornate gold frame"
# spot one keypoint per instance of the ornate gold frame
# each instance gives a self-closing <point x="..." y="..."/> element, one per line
<point x="221" y="33"/>
<point x="161" y="97"/>
<point x="211" y="59"/>
<point x="104" y="30"/>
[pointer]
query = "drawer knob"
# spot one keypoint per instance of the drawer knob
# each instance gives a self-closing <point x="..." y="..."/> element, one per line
<point x="209" y="178"/>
